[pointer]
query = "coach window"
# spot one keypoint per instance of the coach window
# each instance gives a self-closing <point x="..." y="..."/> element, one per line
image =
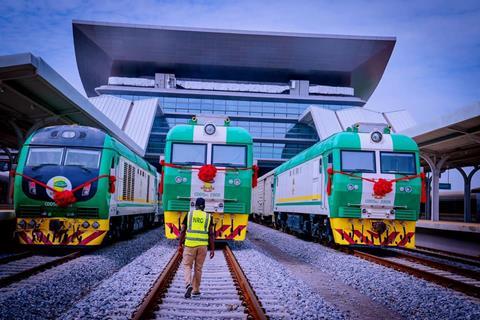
<point x="320" y="169"/>
<point x="189" y="154"/>
<point x="229" y="156"/>
<point x="358" y="161"/>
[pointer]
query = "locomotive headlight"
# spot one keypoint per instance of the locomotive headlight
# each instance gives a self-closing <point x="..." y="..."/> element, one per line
<point x="32" y="188"/>
<point x="350" y="187"/>
<point x="32" y="224"/>
<point x="85" y="224"/>
<point x="402" y="189"/>
<point x="209" y="129"/>
<point x="68" y="134"/>
<point x="178" y="179"/>
<point x="237" y="182"/>
<point x="95" y="225"/>
<point x="86" y="190"/>
<point x="376" y="136"/>
<point x="408" y="189"/>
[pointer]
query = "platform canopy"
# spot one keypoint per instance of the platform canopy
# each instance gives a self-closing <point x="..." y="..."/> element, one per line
<point x="328" y="122"/>
<point x="128" y="50"/>
<point x="454" y="137"/>
<point x="33" y="95"/>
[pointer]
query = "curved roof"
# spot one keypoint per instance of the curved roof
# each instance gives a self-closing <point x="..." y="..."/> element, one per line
<point x="113" y="49"/>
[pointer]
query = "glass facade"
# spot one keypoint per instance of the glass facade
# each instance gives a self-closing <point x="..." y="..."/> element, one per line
<point x="274" y="126"/>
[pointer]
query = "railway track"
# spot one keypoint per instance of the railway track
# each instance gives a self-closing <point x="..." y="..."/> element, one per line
<point x="21" y="266"/>
<point x="456" y="257"/>
<point x="226" y="292"/>
<point x="460" y="279"/>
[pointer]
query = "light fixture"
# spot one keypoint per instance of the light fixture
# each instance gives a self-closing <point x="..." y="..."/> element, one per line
<point x="237" y="182"/>
<point x="209" y="129"/>
<point x="350" y="187"/>
<point x="376" y="136"/>
<point x="408" y="189"/>
<point x="86" y="190"/>
<point x="95" y="225"/>
<point x="68" y="134"/>
<point x="178" y="179"/>
<point x="85" y="224"/>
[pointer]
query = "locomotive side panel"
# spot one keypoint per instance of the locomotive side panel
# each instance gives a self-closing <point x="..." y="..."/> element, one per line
<point x="299" y="190"/>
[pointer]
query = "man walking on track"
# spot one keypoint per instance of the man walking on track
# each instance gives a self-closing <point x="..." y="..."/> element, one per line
<point x="197" y="233"/>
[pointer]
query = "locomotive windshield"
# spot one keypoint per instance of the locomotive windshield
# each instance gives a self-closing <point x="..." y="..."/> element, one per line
<point x="395" y="162"/>
<point x="229" y="156"/>
<point x="358" y="161"/>
<point x="189" y="153"/>
<point x="44" y="156"/>
<point x="83" y="158"/>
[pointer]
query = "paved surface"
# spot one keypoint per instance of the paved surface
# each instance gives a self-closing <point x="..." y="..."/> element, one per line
<point x="340" y="295"/>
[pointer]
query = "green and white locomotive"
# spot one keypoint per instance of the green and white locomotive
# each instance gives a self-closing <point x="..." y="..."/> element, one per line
<point x="207" y="158"/>
<point x="358" y="187"/>
<point x="75" y="185"/>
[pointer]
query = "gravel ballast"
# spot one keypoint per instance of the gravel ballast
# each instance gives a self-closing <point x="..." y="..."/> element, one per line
<point x="411" y="297"/>
<point x="50" y="293"/>
<point x="282" y="295"/>
<point x="118" y="296"/>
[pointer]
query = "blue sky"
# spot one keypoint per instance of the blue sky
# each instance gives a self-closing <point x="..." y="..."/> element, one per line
<point x="435" y="66"/>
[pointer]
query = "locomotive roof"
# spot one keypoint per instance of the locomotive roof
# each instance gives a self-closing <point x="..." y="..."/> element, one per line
<point x="342" y="140"/>
<point x="184" y="132"/>
<point x="84" y="136"/>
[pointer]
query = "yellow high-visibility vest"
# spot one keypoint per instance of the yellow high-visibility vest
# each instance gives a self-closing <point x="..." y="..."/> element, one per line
<point x="197" y="228"/>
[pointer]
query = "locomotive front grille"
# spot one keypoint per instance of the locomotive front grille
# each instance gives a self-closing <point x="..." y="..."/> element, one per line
<point x="87" y="212"/>
<point x="30" y="211"/>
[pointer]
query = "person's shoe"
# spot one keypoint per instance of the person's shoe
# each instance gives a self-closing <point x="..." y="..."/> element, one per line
<point x="196" y="294"/>
<point x="188" y="293"/>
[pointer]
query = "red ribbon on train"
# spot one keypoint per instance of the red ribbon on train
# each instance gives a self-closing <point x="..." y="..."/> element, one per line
<point x="381" y="187"/>
<point x="65" y="198"/>
<point x="207" y="172"/>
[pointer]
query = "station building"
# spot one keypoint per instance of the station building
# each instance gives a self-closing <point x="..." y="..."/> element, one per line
<point x="288" y="90"/>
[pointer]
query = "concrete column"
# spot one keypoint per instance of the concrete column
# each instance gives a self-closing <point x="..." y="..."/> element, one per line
<point x="467" y="196"/>
<point x="436" y="164"/>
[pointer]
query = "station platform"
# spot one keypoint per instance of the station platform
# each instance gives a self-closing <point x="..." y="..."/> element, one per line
<point x="457" y="237"/>
<point x="449" y="226"/>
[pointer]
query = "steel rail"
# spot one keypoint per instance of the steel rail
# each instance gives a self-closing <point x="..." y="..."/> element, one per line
<point x="15" y="256"/>
<point x="159" y="286"/>
<point x="438" y="265"/>
<point x="439" y="279"/>
<point x="38" y="268"/>
<point x="457" y="257"/>
<point x="254" y="306"/>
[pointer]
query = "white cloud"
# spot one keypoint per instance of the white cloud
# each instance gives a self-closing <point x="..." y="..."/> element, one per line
<point x="435" y="65"/>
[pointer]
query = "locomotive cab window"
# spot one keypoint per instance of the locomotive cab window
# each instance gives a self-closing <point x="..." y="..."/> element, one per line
<point x="44" y="156"/>
<point x="84" y="158"/>
<point x="358" y="161"/>
<point x="189" y="154"/>
<point x="229" y="155"/>
<point x="397" y="162"/>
